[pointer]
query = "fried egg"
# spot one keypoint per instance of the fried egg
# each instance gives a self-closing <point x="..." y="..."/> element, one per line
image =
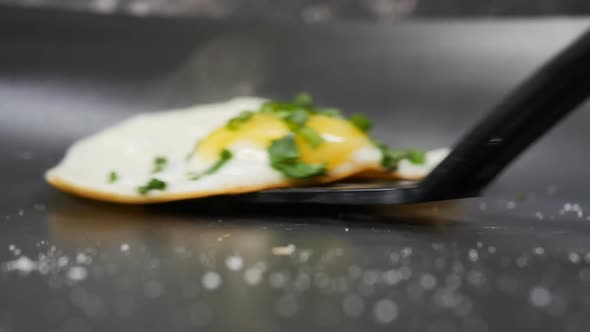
<point x="219" y="149"/>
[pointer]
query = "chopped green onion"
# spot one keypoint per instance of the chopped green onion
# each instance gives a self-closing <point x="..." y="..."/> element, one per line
<point x="297" y="118"/>
<point x="361" y="122"/>
<point x="303" y="100"/>
<point x="159" y="164"/>
<point x="237" y="122"/>
<point x="391" y="158"/>
<point x="310" y="136"/>
<point x="416" y="157"/>
<point x="224" y="157"/>
<point x="113" y="177"/>
<point x="284" y="157"/>
<point x="330" y="111"/>
<point x="153" y="184"/>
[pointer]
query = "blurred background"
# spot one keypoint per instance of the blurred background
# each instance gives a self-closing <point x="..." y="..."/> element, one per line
<point x="319" y="10"/>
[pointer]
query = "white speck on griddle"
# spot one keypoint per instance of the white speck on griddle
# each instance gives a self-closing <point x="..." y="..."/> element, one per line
<point x="139" y="8"/>
<point x="124" y="247"/>
<point x="22" y="264"/>
<point x="492" y="250"/>
<point x="479" y="244"/>
<point x="370" y="277"/>
<point x="219" y="239"/>
<point x="539" y="215"/>
<point x="253" y="275"/>
<point x="153" y="288"/>
<point x="316" y="13"/>
<point x="446" y="298"/>
<point x="574" y="257"/>
<point x="353" y="306"/>
<point x="551" y="190"/>
<point x="522" y="261"/>
<point x="483" y="206"/>
<point x="538" y="250"/>
<point x="211" y="280"/>
<point x="304" y="255"/>
<point x="39" y="207"/>
<point x="346" y="229"/>
<point x="473" y="255"/>
<point x="540" y="296"/>
<point x="77" y="273"/>
<point x="385" y="311"/>
<point x="283" y="250"/>
<point x="392" y="277"/>
<point x="104" y="6"/>
<point x="180" y="250"/>
<point x="438" y="246"/>
<point x="277" y="279"/>
<point x="406" y="252"/>
<point x="510" y="204"/>
<point x="427" y="281"/>
<point x="62" y="261"/>
<point x="21" y="213"/>
<point x="234" y="263"/>
<point x="11" y="247"/>
<point x="572" y="208"/>
<point x="82" y="258"/>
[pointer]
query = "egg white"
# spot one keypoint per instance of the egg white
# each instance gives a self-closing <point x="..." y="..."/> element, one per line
<point x="130" y="147"/>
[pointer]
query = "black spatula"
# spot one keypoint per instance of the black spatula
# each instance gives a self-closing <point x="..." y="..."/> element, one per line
<point x="526" y="114"/>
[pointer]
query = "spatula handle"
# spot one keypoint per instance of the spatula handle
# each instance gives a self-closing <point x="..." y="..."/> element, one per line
<point x="526" y="114"/>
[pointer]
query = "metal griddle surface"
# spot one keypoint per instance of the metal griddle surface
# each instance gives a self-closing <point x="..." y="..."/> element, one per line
<point x="517" y="259"/>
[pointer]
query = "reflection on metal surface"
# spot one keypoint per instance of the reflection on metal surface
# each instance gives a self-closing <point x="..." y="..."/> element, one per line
<point x="208" y="255"/>
<point x="220" y="69"/>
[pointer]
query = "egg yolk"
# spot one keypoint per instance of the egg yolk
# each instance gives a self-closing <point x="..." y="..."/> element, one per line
<point x="340" y="138"/>
<point x="258" y="131"/>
